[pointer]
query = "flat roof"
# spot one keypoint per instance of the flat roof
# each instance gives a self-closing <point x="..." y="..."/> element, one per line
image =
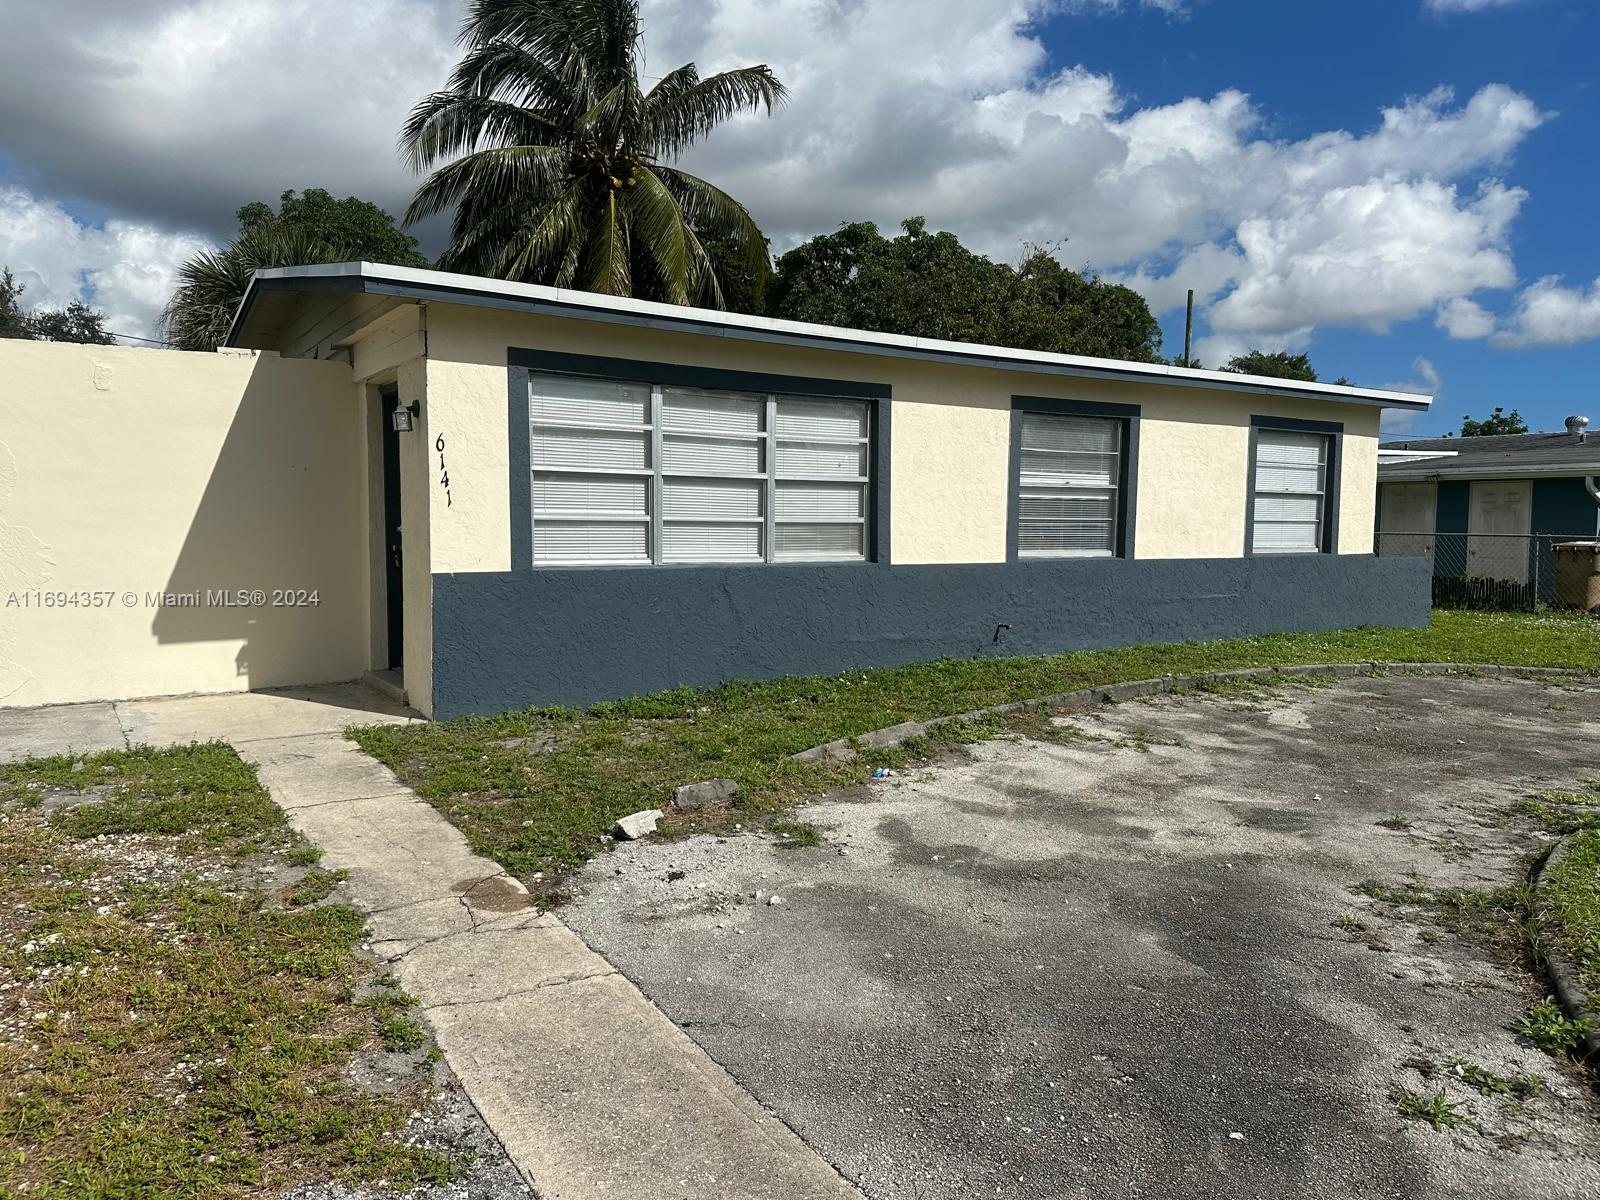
<point x="1506" y="455"/>
<point x="410" y="283"/>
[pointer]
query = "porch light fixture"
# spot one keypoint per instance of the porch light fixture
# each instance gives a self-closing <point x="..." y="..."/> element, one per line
<point x="403" y="419"/>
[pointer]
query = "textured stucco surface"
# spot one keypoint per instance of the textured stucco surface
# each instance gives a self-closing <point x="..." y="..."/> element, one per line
<point x="1112" y="968"/>
<point x="951" y="437"/>
<point x="134" y="472"/>
<point x="512" y="639"/>
<point x="416" y="537"/>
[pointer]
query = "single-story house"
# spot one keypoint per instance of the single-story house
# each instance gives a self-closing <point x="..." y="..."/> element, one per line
<point x="1490" y="508"/>
<point x="506" y="494"/>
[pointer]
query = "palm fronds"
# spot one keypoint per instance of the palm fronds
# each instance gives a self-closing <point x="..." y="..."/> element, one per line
<point x="556" y="164"/>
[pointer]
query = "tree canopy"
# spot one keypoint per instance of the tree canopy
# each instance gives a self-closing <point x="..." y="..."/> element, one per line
<point x="77" y="322"/>
<point x="361" y="229"/>
<point x="1277" y="365"/>
<point x="309" y="227"/>
<point x="556" y="163"/>
<point x="930" y="285"/>
<point x="1498" y="422"/>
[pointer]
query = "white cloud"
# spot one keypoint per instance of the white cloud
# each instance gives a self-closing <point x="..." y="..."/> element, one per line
<point x="185" y="109"/>
<point x="1548" y="313"/>
<point x="1466" y="6"/>
<point x="1367" y="255"/>
<point x="1425" y="380"/>
<point x="179" y="111"/>
<point x="1173" y="8"/>
<point x="1462" y="317"/>
<point x="125" y="268"/>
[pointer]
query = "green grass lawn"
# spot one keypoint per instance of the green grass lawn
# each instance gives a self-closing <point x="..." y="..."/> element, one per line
<point x="536" y="790"/>
<point x="1568" y="907"/>
<point x="169" y="1026"/>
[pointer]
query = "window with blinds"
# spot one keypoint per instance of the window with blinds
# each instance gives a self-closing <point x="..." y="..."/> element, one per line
<point x="1067" y="493"/>
<point x="630" y="473"/>
<point x="1290" y="492"/>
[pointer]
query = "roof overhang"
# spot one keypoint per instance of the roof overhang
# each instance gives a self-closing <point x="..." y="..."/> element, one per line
<point x="1437" y="470"/>
<point x="409" y="283"/>
<point x="1386" y="457"/>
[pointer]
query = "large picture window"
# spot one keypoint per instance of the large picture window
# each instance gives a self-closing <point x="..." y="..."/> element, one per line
<point x="1292" y="496"/>
<point x="634" y="473"/>
<point x="1070" y="476"/>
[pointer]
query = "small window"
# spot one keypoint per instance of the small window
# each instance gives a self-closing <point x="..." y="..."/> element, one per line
<point x="630" y="473"/>
<point x="1291" y="492"/>
<point x="1067" y="499"/>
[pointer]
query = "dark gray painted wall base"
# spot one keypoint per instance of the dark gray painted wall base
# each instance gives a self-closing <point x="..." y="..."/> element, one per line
<point x="520" y="638"/>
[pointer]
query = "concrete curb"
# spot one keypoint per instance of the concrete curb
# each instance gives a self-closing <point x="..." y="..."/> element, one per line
<point x="1563" y="975"/>
<point x="844" y="749"/>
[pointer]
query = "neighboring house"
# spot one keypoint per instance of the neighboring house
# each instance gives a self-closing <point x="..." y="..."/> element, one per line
<point x="1490" y="508"/>
<point x="510" y="495"/>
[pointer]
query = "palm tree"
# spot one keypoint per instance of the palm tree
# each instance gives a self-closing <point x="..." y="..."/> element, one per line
<point x="212" y="283"/>
<point x="556" y="162"/>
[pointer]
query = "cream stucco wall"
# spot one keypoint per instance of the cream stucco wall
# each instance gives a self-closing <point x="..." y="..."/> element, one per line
<point x="129" y="473"/>
<point x="416" y="513"/>
<point x="949" y="439"/>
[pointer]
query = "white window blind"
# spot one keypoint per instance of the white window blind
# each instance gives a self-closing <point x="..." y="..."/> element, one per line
<point x="1067" y="493"/>
<point x="1291" y="492"/>
<point x="591" y="455"/>
<point x="629" y="473"/>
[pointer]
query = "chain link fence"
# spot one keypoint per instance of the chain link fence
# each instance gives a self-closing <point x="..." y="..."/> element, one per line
<point x="1486" y="570"/>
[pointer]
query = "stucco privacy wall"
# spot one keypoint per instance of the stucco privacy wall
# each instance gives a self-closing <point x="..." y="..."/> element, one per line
<point x="134" y="473"/>
<point x="949" y="447"/>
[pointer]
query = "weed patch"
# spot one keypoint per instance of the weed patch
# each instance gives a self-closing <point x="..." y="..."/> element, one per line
<point x="1490" y="1083"/>
<point x="795" y="835"/>
<point x="1435" y="1110"/>
<point x="1548" y="1027"/>
<point x="168" y="1029"/>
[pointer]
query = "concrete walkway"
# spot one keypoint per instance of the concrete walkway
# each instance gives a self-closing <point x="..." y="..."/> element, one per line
<point x="593" y="1092"/>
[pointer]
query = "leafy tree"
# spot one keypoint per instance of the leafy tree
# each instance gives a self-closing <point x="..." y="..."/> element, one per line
<point x="929" y="285"/>
<point x="1278" y="365"/>
<point x="556" y="162"/>
<point x="744" y="281"/>
<point x="1496" y="423"/>
<point x="77" y="322"/>
<point x="309" y="227"/>
<point x="920" y="284"/>
<point x="362" y="230"/>
<point x="1049" y="307"/>
<point x="13" y="321"/>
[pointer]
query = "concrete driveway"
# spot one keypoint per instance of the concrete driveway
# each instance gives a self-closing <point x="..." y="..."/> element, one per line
<point x="1111" y="968"/>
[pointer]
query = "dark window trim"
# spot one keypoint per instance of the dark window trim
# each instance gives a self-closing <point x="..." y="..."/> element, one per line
<point x="1128" y="468"/>
<point x="682" y="375"/>
<point x="521" y="363"/>
<point x="1331" y="498"/>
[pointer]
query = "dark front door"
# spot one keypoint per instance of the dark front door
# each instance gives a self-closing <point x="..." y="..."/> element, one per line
<point x="393" y="576"/>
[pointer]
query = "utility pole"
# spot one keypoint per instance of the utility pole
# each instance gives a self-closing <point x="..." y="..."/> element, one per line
<point x="1188" y="333"/>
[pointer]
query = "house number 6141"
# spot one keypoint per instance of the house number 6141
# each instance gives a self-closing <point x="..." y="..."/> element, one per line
<point x="444" y="472"/>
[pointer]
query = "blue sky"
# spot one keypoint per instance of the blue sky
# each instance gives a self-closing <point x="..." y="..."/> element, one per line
<point x="1317" y="66"/>
<point x="1402" y="188"/>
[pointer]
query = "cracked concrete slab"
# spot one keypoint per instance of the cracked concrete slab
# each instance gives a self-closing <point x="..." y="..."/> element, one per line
<point x="255" y="716"/>
<point x="591" y="1089"/>
<point x="321" y="770"/>
<point x="59" y="729"/>
<point x="1134" y="964"/>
